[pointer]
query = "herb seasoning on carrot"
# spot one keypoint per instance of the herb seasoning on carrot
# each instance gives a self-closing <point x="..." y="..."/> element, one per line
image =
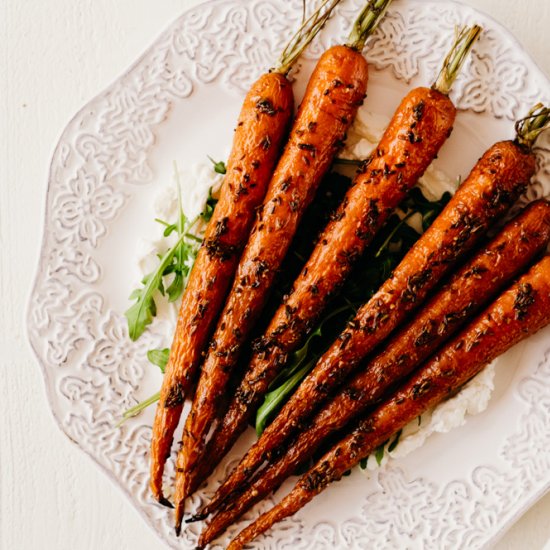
<point x="516" y="314"/>
<point x="259" y="136"/>
<point x="413" y="138"/>
<point x="336" y="89"/>
<point x="489" y="270"/>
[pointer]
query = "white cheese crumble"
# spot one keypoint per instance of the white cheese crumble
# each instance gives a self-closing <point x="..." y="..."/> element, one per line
<point x="472" y="399"/>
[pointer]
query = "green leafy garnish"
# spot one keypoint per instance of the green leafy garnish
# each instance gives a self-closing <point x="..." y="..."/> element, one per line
<point x="394" y="443"/>
<point x="286" y="381"/>
<point x="429" y="210"/>
<point x="209" y="206"/>
<point x="386" y="252"/>
<point x="348" y="162"/>
<point x="159" y="357"/>
<point x="219" y="167"/>
<point x="134" y="411"/>
<point x="176" y="262"/>
<point x="379" y="453"/>
<point x="274" y="399"/>
<point x="142" y="312"/>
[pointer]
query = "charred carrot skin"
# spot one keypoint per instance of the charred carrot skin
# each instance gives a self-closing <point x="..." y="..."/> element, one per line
<point x="519" y="312"/>
<point x="335" y="91"/>
<point x="509" y="253"/>
<point x="494" y="184"/>
<point x="414" y="136"/>
<point x="261" y="129"/>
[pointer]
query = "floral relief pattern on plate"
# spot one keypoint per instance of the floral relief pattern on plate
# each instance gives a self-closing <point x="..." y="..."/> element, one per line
<point x="93" y="372"/>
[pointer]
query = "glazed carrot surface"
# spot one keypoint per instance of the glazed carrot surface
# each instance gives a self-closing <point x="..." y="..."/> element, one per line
<point x="259" y="136"/>
<point x="492" y="187"/>
<point x="418" y="129"/>
<point x="516" y="314"/>
<point x="492" y="267"/>
<point x="335" y="91"/>
<point x="415" y="134"/>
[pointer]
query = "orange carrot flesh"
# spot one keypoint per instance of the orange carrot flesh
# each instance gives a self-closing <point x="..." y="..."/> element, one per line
<point x="418" y="129"/>
<point x="508" y="254"/>
<point x="261" y="129"/>
<point x="493" y="185"/>
<point x="517" y="313"/>
<point x="335" y="91"/>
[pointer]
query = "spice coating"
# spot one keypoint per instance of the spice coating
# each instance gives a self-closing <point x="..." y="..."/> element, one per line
<point x="393" y="168"/>
<point x="218" y="257"/>
<point x="500" y="328"/>
<point x="496" y="181"/>
<point x="335" y="91"/>
<point x="468" y="290"/>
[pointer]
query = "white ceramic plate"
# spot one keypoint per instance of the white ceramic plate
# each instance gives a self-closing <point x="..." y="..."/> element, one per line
<point x="180" y="101"/>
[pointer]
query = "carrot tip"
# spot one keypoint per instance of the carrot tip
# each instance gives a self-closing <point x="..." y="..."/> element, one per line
<point x="179" y="518"/>
<point x="165" y="502"/>
<point x="196" y="517"/>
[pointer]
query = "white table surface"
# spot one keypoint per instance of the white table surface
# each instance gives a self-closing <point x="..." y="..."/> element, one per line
<point x="56" y="55"/>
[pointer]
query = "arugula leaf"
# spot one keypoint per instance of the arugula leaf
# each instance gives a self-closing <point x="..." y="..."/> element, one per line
<point x="142" y="312"/>
<point x="140" y="407"/>
<point x="348" y="162"/>
<point x="219" y="167"/>
<point x="289" y="378"/>
<point x="209" y="206"/>
<point x="379" y="453"/>
<point x="177" y="261"/>
<point x="159" y="357"/>
<point x="394" y="443"/>
<point x="429" y="210"/>
<point x="274" y="399"/>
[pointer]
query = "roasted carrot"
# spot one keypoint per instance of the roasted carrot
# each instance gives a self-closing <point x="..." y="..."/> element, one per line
<point x="259" y="135"/>
<point x="479" y="280"/>
<point x="491" y="188"/>
<point x="418" y="129"/>
<point x="335" y="90"/>
<point x="517" y="313"/>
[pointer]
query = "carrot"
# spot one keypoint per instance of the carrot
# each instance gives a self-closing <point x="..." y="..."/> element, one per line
<point x="508" y="254"/>
<point x="492" y="187"/>
<point x="335" y="90"/>
<point x="517" y="313"/>
<point x="418" y="129"/>
<point x="259" y="135"/>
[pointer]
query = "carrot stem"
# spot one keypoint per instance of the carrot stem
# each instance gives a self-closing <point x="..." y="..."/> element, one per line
<point x="304" y="35"/>
<point x="529" y="128"/>
<point x="140" y="407"/>
<point x="465" y="38"/>
<point x="366" y="22"/>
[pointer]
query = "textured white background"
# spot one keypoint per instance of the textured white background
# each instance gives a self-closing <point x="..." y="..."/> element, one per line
<point x="55" y="56"/>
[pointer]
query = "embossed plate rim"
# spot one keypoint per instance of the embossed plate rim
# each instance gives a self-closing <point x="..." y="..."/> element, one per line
<point x="46" y="216"/>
